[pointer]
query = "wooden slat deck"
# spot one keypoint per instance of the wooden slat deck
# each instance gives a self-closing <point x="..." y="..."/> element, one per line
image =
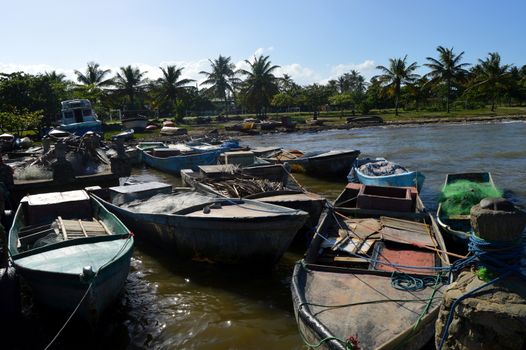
<point x="68" y="229"/>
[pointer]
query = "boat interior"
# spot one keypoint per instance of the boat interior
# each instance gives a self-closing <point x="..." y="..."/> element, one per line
<point x="50" y="218"/>
<point x="378" y="244"/>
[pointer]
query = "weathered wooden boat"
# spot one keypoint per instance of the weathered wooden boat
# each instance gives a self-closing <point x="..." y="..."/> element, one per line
<point x="272" y="185"/>
<point x="173" y="131"/>
<point x="137" y="123"/>
<point x="407" y="179"/>
<point x="175" y="163"/>
<point x="459" y="227"/>
<point x="125" y="135"/>
<point x="223" y="230"/>
<point x="78" y="117"/>
<point x="71" y="251"/>
<point x="335" y="163"/>
<point x="370" y="279"/>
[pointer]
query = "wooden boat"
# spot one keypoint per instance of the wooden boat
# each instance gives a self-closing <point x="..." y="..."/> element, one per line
<point x="459" y="227"/>
<point x="174" y="164"/>
<point x="125" y="135"/>
<point x="137" y="123"/>
<point x="71" y="251"/>
<point x="173" y="131"/>
<point x="348" y="290"/>
<point x="283" y="190"/>
<point x="335" y="163"/>
<point x="222" y="230"/>
<point x="408" y="179"/>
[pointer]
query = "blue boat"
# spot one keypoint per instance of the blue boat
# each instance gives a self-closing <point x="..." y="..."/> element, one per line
<point x="77" y="117"/>
<point x="71" y="251"/>
<point x="173" y="164"/>
<point x="408" y="179"/>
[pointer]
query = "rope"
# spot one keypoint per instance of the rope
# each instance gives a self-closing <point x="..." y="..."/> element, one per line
<point x="127" y="240"/>
<point x="501" y="258"/>
<point x="405" y="282"/>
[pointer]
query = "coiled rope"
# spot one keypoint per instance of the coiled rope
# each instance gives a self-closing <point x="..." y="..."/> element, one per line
<point x="500" y="258"/>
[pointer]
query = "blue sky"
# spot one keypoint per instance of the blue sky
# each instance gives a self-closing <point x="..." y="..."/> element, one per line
<point x="311" y="40"/>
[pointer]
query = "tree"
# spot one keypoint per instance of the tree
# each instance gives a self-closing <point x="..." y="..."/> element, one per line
<point x="260" y="84"/>
<point x="491" y="77"/>
<point x="94" y="76"/>
<point x="170" y="86"/>
<point x="130" y="81"/>
<point x="447" y="69"/>
<point x="221" y="79"/>
<point x="398" y="73"/>
<point x="351" y="82"/>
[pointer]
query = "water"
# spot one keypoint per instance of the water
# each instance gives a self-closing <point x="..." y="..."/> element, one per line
<point x="168" y="304"/>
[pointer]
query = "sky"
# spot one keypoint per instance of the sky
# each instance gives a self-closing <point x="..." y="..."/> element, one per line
<point x="312" y="41"/>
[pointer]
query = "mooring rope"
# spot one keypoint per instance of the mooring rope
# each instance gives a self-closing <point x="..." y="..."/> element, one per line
<point x="500" y="258"/>
<point x="127" y="240"/>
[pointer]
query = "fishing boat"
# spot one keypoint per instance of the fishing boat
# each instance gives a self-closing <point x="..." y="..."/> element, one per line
<point x="71" y="251"/>
<point x="124" y="135"/>
<point x="268" y="183"/>
<point x="398" y="176"/>
<point x="371" y="279"/>
<point x="458" y="227"/>
<point x="78" y="117"/>
<point x="231" y="231"/>
<point x="335" y="163"/>
<point x="138" y="122"/>
<point x="173" y="161"/>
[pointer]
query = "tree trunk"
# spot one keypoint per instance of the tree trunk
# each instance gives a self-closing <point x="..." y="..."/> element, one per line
<point x="447" y="95"/>
<point x="396" y="105"/>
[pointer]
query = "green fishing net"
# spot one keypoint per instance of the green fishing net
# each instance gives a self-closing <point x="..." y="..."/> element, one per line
<point x="458" y="197"/>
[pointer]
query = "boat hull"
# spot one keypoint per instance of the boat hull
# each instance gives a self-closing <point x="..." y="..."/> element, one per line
<point x="329" y="165"/>
<point x="314" y="331"/>
<point x="63" y="291"/>
<point x="260" y="240"/>
<point x="82" y="128"/>
<point x="409" y="179"/>
<point x="175" y="164"/>
<point x="136" y="124"/>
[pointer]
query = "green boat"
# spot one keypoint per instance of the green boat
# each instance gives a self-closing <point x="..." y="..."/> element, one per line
<point x="71" y="251"/>
<point x="458" y="227"/>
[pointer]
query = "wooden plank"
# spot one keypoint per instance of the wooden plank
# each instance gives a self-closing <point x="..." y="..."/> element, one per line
<point x="349" y="259"/>
<point x="82" y="228"/>
<point x="105" y="227"/>
<point x="64" y="233"/>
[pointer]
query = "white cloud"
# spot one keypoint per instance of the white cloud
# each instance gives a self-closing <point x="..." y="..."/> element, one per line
<point x="301" y="74"/>
<point x="262" y="50"/>
<point x="366" y="68"/>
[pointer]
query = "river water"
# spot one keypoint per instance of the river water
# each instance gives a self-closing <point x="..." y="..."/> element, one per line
<point x="169" y="304"/>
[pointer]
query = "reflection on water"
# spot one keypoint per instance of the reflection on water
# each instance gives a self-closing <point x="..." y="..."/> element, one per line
<point x="169" y="304"/>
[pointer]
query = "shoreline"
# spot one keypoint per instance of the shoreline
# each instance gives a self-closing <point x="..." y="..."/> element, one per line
<point x="201" y="131"/>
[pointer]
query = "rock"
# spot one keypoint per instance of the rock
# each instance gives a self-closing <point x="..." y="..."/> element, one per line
<point x="496" y="219"/>
<point x="494" y="318"/>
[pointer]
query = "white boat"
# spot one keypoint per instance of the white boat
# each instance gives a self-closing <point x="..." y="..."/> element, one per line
<point x="77" y="117"/>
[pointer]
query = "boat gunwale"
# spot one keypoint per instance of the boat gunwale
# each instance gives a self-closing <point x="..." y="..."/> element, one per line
<point x="68" y="242"/>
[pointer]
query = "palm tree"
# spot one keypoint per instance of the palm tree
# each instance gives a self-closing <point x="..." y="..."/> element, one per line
<point x="261" y="84"/>
<point x="221" y="79"/>
<point x="169" y="86"/>
<point x="130" y="81"/>
<point x="447" y="68"/>
<point x="94" y="76"/>
<point x="397" y="74"/>
<point x="55" y="77"/>
<point x="491" y="76"/>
